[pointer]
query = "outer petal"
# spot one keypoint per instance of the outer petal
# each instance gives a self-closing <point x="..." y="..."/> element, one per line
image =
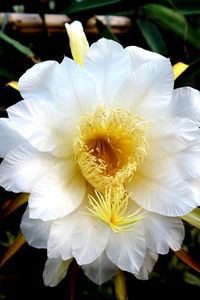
<point x="77" y="90"/>
<point x="195" y="183"/>
<point x="36" y="231"/>
<point x="148" y="90"/>
<point x="159" y="186"/>
<point x="100" y="270"/>
<point x="23" y="167"/>
<point x="127" y="249"/>
<point x="163" y="233"/>
<point x="61" y="236"/>
<point x="90" y="238"/>
<point x="140" y="56"/>
<point x="45" y="125"/>
<point x="62" y="83"/>
<point x="185" y="104"/>
<point x="9" y="137"/>
<point x="55" y="270"/>
<point x="49" y="125"/>
<point x="109" y="65"/>
<point x="188" y="162"/>
<point x="58" y="193"/>
<point x="148" y="264"/>
<point x="37" y="82"/>
<point x="168" y="136"/>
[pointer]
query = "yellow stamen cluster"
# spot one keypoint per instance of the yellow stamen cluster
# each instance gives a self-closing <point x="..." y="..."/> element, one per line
<point x="109" y="146"/>
<point x="112" y="209"/>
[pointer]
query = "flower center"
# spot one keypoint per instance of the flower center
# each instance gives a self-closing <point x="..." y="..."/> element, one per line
<point x="109" y="146"/>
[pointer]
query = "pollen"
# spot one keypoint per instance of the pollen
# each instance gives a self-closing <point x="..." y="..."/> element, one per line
<point x="112" y="209"/>
<point x="109" y="145"/>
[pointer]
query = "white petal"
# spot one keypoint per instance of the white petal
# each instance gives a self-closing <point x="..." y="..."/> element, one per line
<point x="148" y="264"/>
<point x="58" y="193"/>
<point x="140" y="56"/>
<point x="163" y="233"/>
<point x="195" y="183"/>
<point x="160" y="187"/>
<point x="36" y="83"/>
<point x="127" y="249"/>
<point x="109" y="65"/>
<point x="45" y="125"/>
<point x="23" y="167"/>
<point x="76" y="89"/>
<point x="60" y="238"/>
<point x="188" y="162"/>
<point x="89" y="239"/>
<point x="9" y="137"/>
<point x="148" y="90"/>
<point x="49" y="125"/>
<point x="55" y="270"/>
<point x="36" y="231"/>
<point x="64" y="83"/>
<point x="170" y="135"/>
<point x="185" y="104"/>
<point x="100" y="270"/>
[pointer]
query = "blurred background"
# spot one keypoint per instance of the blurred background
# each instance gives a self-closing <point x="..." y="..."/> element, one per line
<point x="33" y="31"/>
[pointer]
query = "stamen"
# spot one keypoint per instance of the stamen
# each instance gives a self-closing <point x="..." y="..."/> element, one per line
<point x="109" y="146"/>
<point x="112" y="209"/>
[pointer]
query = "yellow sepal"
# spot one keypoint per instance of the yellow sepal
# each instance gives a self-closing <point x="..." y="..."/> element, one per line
<point x="120" y="286"/>
<point x="179" y="68"/>
<point x="13" y="84"/>
<point x="78" y="41"/>
<point x="193" y="217"/>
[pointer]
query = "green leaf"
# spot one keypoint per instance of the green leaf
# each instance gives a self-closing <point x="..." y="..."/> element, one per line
<point x="10" y="239"/>
<point x="191" y="279"/>
<point x="186" y="7"/>
<point x="6" y="74"/>
<point x="152" y="36"/>
<point x="105" y="31"/>
<point x="192" y="72"/>
<point x="87" y="5"/>
<point x="172" y="21"/>
<point x="17" y="45"/>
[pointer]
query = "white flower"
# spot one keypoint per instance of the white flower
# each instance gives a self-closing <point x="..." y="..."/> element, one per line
<point x="109" y="153"/>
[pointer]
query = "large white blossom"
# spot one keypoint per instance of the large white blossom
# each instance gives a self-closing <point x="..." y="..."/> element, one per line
<point x="109" y="153"/>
